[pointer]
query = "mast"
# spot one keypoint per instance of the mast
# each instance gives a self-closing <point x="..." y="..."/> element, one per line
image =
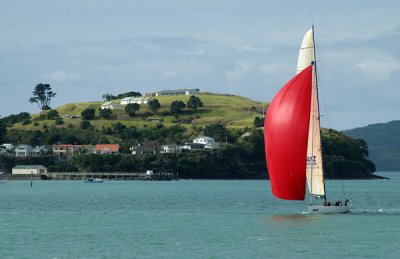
<point x="315" y="181"/>
<point x="319" y="114"/>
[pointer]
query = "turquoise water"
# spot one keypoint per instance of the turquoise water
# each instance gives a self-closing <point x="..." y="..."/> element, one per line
<point x="193" y="219"/>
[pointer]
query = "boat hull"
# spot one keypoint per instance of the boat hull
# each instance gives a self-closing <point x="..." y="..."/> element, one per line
<point x="320" y="209"/>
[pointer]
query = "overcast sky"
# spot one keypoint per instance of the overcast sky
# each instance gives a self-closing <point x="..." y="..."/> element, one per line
<point x="86" y="48"/>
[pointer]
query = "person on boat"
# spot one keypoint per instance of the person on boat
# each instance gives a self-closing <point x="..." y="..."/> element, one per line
<point x="329" y="203"/>
<point x="346" y="202"/>
<point x="338" y="203"/>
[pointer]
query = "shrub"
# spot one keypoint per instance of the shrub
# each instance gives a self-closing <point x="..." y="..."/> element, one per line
<point x="26" y="122"/>
<point x="85" y="124"/>
<point x="105" y="113"/>
<point x="52" y="115"/>
<point x="59" y="121"/>
<point x="88" y="114"/>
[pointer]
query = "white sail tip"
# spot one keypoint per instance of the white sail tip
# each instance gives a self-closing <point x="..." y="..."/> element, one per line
<point x="306" y="54"/>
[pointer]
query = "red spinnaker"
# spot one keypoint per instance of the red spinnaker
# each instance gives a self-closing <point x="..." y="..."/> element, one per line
<point x="286" y="135"/>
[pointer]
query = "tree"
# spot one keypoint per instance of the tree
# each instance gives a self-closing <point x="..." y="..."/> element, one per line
<point x="105" y="113"/>
<point x="26" y="122"/>
<point x="3" y="131"/>
<point x="15" y="118"/>
<point x="177" y="107"/>
<point x="129" y="94"/>
<point x="59" y="121"/>
<point x="52" y="115"/>
<point x="42" y="95"/>
<point x="118" y="127"/>
<point x="109" y="97"/>
<point x="154" y="105"/>
<point x="258" y="122"/>
<point x="194" y="103"/>
<point x="132" y="108"/>
<point x="219" y="132"/>
<point x="88" y="114"/>
<point x="85" y="124"/>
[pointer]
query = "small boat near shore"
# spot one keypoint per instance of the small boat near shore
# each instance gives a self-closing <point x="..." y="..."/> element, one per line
<point x="93" y="180"/>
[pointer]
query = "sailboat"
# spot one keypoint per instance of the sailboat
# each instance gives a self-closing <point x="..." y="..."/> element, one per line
<point x="293" y="140"/>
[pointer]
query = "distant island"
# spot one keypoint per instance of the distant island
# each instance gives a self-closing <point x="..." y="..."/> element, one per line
<point x="384" y="143"/>
<point x="195" y="134"/>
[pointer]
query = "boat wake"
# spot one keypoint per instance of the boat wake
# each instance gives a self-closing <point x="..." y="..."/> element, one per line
<point x="380" y="211"/>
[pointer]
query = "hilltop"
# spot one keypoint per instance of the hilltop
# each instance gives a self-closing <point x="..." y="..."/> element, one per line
<point x="230" y="110"/>
<point x="228" y="119"/>
<point x="383" y="143"/>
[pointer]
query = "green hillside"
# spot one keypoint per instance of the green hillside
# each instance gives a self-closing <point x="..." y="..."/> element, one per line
<point x="383" y="140"/>
<point x="230" y="110"/>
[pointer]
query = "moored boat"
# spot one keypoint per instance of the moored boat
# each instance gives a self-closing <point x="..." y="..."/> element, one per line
<point x="93" y="180"/>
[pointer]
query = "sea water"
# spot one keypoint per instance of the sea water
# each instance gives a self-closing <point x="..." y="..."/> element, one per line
<point x="194" y="219"/>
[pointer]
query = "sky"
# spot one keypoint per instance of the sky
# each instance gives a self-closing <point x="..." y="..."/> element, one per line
<point x="87" y="48"/>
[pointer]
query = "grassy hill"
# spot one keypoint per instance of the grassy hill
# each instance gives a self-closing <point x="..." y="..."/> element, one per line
<point x="383" y="140"/>
<point x="230" y="110"/>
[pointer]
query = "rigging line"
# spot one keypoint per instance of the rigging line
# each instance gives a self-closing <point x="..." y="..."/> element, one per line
<point x="325" y="101"/>
<point x="322" y="86"/>
<point x="318" y="114"/>
<point x="343" y="189"/>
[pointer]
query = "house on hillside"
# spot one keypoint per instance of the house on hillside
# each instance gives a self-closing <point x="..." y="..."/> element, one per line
<point x="143" y="149"/>
<point x="193" y="146"/>
<point x="201" y="143"/>
<point x="26" y="151"/>
<point x="3" y="151"/>
<point x="138" y="100"/>
<point x="110" y="105"/>
<point x="29" y="169"/>
<point x="171" y="149"/>
<point x="66" y="151"/>
<point x="175" y="92"/>
<point x="45" y="149"/>
<point x="88" y="149"/>
<point x="207" y="142"/>
<point x="107" y="149"/>
<point x="8" y="146"/>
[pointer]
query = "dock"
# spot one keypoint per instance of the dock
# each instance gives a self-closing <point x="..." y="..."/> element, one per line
<point x="125" y="176"/>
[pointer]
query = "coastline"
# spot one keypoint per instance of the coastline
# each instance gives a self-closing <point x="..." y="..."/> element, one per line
<point x="156" y="177"/>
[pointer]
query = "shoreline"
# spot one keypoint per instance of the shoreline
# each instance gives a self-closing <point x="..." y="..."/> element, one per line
<point x="45" y="178"/>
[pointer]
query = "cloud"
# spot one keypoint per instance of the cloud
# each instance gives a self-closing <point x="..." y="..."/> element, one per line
<point x="379" y="68"/>
<point x="61" y="76"/>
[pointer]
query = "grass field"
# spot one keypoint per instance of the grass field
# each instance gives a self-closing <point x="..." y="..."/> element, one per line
<point x="230" y="110"/>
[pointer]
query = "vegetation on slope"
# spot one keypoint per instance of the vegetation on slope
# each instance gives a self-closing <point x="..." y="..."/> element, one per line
<point x="223" y="117"/>
<point x="384" y="143"/>
<point x="230" y="110"/>
<point x="345" y="157"/>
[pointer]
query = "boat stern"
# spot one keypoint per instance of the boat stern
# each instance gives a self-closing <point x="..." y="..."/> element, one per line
<point x="320" y="209"/>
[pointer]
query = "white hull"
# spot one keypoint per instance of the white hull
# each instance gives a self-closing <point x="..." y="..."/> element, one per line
<point x="319" y="209"/>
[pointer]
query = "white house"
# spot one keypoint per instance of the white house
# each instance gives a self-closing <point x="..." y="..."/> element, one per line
<point x="203" y="140"/>
<point x="175" y="92"/>
<point x="29" y="169"/>
<point x="8" y="147"/>
<point x="143" y="149"/>
<point x="207" y="142"/>
<point x="110" y="105"/>
<point x="193" y="146"/>
<point x="138" y="100"/>
<point x="171" y="148"/>
<point x="212" y="145"/>
<point x="26" y="150"/>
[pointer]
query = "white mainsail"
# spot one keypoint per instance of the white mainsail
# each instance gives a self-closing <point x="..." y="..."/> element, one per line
<point x="314" y="172"/>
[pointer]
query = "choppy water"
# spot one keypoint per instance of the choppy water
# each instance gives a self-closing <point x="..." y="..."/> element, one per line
<point x="193" y="219"/>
